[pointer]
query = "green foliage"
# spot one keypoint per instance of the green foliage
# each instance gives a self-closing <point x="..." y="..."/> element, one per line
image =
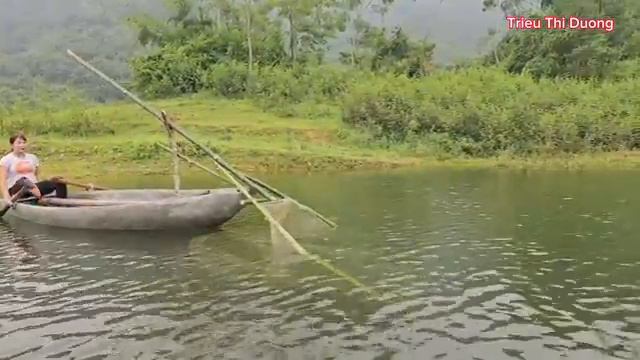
<point x="193" y="49"/>
<point x="251" y="28"/>
<point x="375" y="49"/>
<point x="76" y="123"/>
<point x="168" y="73"/>
<point x="461" y="107"/>
<point x="573" y="53"/>
<point x="295" y="85"/>
<point x="38" y="112"/>
<point x="624" y="70"/>
<point x="517" y="7"/>
<point x="309" y="24"/>
<point x="539" y="91"/>
<point x="184" y="20"/>
<point x="282" y="89"/>
<point x="230" y="80"/>
<point x="182" y="68"/>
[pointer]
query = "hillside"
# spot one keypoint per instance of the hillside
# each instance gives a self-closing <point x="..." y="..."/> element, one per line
<point x="34" y="35"/>
<point x="252" y="80"/>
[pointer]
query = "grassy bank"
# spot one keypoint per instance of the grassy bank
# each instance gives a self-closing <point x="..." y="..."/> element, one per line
<point x="476" y="111"/>
<point x="85" y="141"/>
<point x="93" y="140"/>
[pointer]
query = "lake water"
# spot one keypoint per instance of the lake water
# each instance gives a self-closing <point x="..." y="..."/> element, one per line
<point x="466" y="264"/>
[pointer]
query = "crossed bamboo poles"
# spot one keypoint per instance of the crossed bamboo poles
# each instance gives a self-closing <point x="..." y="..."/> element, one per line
<point x="235" y="176"/>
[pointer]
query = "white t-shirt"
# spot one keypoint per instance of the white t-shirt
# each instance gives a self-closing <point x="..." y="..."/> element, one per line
<point x="20" y="166"/>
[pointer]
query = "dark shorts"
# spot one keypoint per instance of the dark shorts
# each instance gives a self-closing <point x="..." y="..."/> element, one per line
<point x="46" y="187"/>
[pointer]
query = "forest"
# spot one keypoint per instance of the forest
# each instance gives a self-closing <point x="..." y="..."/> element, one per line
<point x="526" y="92"/>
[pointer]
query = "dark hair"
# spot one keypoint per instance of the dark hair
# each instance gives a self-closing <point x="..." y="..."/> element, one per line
<point x="17" y="136"/>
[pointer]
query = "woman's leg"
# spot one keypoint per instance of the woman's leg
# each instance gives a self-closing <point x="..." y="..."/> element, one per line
<point x="47" y="187"/>
<point x="23" y="183"/>
<point x="14" y="189"/>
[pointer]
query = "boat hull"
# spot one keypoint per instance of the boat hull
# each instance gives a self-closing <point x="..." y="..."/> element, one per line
<point x="151" y="209"/>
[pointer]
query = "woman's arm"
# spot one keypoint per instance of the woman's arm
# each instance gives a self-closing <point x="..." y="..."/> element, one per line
<point x="36" y="165"/>
<point x="3" y="183"/>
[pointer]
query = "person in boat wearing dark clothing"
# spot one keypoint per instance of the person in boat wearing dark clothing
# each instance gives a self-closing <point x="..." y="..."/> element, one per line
<point x="19" y="169"/>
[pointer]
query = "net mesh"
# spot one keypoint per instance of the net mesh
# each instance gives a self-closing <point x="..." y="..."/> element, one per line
<point x="298" y="222"/>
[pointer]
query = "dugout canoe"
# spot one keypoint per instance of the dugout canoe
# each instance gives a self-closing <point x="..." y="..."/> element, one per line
<point x="135" y="209"/>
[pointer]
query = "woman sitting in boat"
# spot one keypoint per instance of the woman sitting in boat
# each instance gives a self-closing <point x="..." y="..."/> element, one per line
<point x="19" y="169"/>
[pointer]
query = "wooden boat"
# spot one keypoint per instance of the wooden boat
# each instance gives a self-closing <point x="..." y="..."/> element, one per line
<point x="135" y="209"/>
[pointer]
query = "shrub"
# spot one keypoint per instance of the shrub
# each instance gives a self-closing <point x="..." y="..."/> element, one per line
<point x="228" y="80"/>
<point x="75" y="122"/>
<point x="492" y="112"/>
<point x="282" y="89"/>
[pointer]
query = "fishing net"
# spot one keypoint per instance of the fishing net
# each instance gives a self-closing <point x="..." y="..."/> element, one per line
<point x="287" y="210"/>
<point x="298" y="222"/>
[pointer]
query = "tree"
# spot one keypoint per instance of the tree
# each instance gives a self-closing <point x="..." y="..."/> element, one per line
<point x="310" y="23"/>
<point x="180" y="25"/>
<point x="570" y="53"/>
<point x="516" y="7"/>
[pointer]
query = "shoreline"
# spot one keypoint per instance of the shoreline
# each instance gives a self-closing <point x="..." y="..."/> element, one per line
<point x="89" y="141"/>
<point x="95" y="167"/>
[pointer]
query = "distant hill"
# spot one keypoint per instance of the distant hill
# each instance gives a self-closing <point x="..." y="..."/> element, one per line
<point x="34" y="35"/>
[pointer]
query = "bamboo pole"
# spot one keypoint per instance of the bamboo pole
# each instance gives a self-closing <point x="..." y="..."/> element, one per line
<point x="85" y="186"/>
<point x="288" y="236"/>
<point x="175" y="127"/>
<point x="275" y="191"/>
<point x="229" y="172"/>
<point x="14" y="198"/>
<point x="202" y="167"/>
<point x="280" y="193"/>
<point x="194" y="163"/>
<point x="180" y="131"/>
<point x="295" y="244"/>
<point x="174" y="145"/>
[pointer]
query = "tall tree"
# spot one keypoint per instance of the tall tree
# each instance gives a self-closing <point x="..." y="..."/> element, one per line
<point x="186" y="18"/>
<point x="358" y="26"/>
<point x="516" y="7"/>
<point x="248" y="14"/>
<point x="310" y="23"/>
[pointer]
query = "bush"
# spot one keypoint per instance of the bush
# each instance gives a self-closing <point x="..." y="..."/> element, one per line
<point x="282" y="89"/>
<point x="46" y="120"/>
<point x="170" y="73"/>
<point x="493" y="112"/>
<point x="39" y="113"/>
<point x="186" y="66"/>
<point x="228" y="80"/>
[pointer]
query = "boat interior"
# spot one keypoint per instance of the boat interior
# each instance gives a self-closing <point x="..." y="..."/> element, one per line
<point x="121" y="197"/>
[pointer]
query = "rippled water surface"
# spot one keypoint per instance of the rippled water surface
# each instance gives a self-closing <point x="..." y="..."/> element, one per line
<point x="465" y="265"/>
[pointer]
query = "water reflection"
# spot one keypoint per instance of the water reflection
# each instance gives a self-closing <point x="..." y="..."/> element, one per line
<point x="22" y="246"/>
<point x="151" y="241"/>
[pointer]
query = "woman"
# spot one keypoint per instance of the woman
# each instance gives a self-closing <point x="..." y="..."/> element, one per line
<point x="19" y="169"/>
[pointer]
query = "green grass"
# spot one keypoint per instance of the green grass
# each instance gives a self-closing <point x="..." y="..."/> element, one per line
<point x="243" y="134"/>
<point x="121" y="137"/>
